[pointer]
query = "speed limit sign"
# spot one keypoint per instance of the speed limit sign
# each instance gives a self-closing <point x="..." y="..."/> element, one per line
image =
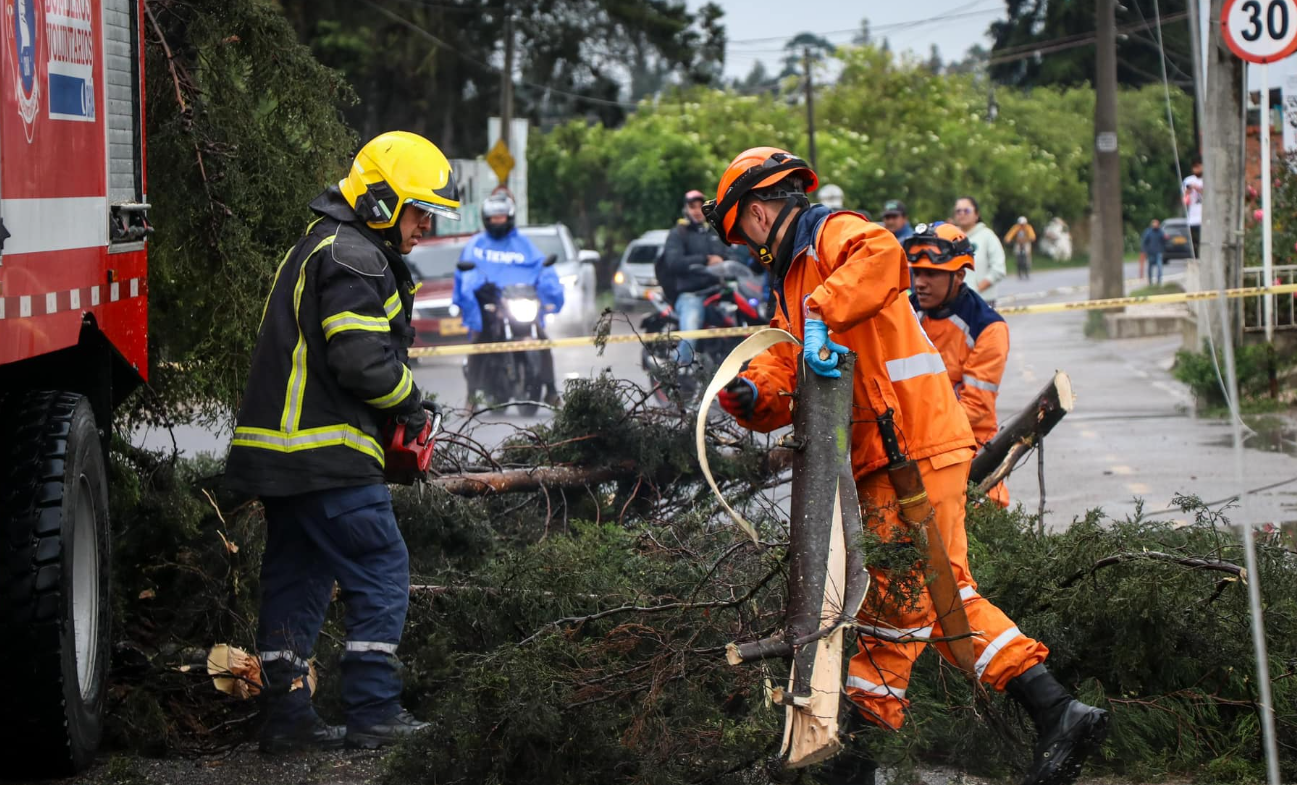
<point x="1260" y="31"/>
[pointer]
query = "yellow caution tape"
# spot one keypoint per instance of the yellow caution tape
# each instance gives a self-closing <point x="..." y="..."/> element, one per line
<point x="1151" y="299"/>
<point x="739" y="332"/>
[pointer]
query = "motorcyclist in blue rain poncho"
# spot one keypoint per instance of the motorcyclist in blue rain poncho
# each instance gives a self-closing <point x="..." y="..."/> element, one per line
<point x="503" y="256"/>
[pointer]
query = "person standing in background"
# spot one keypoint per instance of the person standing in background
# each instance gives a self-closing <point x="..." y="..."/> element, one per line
<point x="1193" y="203"/>
<point x="987" y="251"/>
<point x="1152" y="244"/>
<point x="895" y="219"/>
<point x="1022" y="236"/>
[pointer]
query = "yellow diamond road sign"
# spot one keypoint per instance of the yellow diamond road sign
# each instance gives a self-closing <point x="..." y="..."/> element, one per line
<point x="500" y="160"/>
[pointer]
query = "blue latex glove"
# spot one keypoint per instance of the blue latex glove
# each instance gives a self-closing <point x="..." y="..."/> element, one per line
<point x="815" y="337"/>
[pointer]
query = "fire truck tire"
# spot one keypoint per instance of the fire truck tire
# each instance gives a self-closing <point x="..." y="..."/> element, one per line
<point x="54" y="601"/>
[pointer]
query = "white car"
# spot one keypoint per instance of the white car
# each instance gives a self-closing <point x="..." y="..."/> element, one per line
<point x="576" y="271"/>
<point x="636" y="279"/>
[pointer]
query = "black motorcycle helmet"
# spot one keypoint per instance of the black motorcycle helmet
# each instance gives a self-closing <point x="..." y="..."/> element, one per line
<point x="496" y="205"/>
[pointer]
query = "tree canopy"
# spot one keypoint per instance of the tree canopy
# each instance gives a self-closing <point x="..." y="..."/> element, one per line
<point x="435" y="68"/>
<point x="1051" y="42"/>
<point x="888" y="128"/>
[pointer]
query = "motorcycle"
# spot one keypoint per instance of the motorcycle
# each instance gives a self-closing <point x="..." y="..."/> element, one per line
<point x="511" y="313"/>
<point x="737" y="300"/>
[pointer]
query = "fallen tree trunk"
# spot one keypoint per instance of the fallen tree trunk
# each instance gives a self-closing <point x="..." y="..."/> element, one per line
<point x="534" y="478"/>
<point x="997" y="458"/>
<point x="531" y="479"/>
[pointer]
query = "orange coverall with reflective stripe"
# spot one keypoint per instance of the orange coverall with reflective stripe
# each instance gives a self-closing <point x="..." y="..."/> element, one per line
<point x="853" y="273"/>
<point x="974" y="343"/>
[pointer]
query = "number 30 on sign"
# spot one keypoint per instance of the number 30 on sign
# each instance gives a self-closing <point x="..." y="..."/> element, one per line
<point x="1260" y="31"/>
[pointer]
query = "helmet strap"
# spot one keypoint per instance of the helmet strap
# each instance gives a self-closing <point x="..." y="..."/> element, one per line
<point x="776" y="259"/>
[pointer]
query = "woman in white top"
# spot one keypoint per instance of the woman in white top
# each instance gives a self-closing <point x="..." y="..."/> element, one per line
<point x="988" y="254"/>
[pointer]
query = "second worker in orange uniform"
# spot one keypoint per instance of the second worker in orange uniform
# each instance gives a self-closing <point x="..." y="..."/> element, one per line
<point x="972" y="338"/>
<point x="838" y="272"/>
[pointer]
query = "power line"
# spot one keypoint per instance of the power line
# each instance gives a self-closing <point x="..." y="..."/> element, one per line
<point x="1023" y="51"/>
<point x="883" y="28"/>
<point x="483" y="64"/>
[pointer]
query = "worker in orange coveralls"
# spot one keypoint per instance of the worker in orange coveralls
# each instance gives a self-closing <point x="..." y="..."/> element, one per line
<point x="837" y="271"/>
<point x="972" y="338"/>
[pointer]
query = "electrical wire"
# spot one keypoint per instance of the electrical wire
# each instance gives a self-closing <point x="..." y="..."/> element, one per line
<point x="1266" y="703"/>
<point x="494" y="69"/>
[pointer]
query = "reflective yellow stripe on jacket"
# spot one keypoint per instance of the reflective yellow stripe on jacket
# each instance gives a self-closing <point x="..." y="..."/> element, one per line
<point x="309" y="439"/>
<point x="349" y="320"/>
<point x="292" y="416"/>
<point x="397" y="395"/>
<point x="393" y="305"/>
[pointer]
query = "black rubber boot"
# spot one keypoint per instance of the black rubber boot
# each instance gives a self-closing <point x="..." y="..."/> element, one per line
<point x="397" y="727"/>
<point x="1067" y="731"/>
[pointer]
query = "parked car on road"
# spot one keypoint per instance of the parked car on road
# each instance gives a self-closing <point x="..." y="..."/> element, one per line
<point x="1179" y="244"/>
<point x="635" y="281"/>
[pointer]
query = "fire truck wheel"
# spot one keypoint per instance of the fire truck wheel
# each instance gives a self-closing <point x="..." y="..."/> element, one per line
<point x="54" y="558"/>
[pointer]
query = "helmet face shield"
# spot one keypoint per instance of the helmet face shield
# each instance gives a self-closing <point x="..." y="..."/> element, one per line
<point x="434" y="210"/>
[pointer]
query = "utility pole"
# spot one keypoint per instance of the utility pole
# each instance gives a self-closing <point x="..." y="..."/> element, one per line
<point x="810" y="104"/>
<point x="506" y="78"/>
<point x="1220" y="259"/>
<point x="1107" y="241"/>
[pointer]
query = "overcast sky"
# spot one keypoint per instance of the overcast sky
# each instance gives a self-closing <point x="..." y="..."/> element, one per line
<point x="953" y="25"/>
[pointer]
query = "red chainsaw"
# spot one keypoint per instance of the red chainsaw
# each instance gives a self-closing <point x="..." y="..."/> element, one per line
<point x="408" y="458"/>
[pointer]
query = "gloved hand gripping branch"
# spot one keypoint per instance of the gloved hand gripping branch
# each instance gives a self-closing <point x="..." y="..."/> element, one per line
<point x="739" y="398"/>
<point x="815" y="341"/>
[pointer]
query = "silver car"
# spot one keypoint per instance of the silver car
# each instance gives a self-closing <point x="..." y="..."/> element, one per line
<point x="636" y="279"/>
<point x="576" y="271"/>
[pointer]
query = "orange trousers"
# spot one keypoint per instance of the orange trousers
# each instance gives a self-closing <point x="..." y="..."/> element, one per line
<point x="879" y="673"/>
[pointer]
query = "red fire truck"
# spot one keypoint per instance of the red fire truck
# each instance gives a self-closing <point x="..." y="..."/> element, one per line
<point x="73" y="344"/>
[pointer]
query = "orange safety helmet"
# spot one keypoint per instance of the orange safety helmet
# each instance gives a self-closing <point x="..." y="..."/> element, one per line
<point x="755" y="169"/>
<point x="942" y="246"/>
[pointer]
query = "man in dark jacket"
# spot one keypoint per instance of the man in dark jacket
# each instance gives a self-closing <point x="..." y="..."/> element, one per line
<point x="1152" y="243"/>
<point x="329" y="375"/>
<point x="691" y="248"/>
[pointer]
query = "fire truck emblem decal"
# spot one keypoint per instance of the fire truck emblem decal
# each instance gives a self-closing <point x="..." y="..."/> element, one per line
<point x="22" y="33"/>
<point x="71" y="46"/>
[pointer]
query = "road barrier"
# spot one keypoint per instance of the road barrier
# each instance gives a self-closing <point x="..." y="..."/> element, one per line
<point x="739" y="332"/>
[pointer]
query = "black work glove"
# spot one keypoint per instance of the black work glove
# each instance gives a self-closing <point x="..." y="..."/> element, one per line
<point x="739" y="398"/>
<point x="415" y="421"/>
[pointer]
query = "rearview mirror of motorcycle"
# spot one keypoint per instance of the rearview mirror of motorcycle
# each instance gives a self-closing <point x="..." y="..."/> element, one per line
<point x="551" y="259"/>
<point x="465" y="265"/>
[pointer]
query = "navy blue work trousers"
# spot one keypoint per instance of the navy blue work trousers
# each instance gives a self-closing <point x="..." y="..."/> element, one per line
<point x="348" y="536"/>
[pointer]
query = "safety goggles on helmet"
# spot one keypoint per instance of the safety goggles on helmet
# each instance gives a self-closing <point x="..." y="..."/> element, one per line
<point x="927" y="248"/>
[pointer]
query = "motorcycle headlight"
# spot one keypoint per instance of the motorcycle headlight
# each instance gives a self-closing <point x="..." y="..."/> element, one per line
<point x="568" y="280"/>
<point x="453" y="310"/>
<point x="523" y="309"/>
<point x="619" y="277"/>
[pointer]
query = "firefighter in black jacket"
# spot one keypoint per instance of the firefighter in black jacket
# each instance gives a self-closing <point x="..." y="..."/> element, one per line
<point x="329" y="374"/>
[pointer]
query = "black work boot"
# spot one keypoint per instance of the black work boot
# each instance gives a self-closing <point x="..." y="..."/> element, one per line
<point x="291" y="723"/>
<point x="311" y="733"/>
<point x="395" y="728"/>
<point x="1067" y="731"/>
